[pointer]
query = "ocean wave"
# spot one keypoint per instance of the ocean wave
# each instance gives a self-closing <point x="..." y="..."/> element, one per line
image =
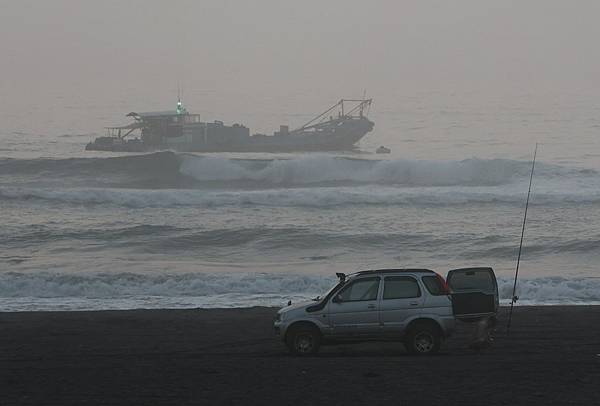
<point x="324" y="169"/>
<point x="552" y="290"/>
<point x="539" y="248"/>
<point x="21" y="291"/>
<point x="155" y="162"/>
<point x="297" y="197"/>
<point x="44" y="234"/>
<point x="124" y="285"/>
<point x="166" y="239"/>
<point x="171" y="170"/>
<point x="157" y="170"/>
<point x="162" y="238"/>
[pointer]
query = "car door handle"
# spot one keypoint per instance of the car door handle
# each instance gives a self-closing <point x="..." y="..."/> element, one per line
<point x="414" y="303"/>
<point x="371" y="306"/>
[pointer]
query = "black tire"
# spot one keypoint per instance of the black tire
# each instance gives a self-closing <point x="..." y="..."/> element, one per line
<point x="423" y="339"/>
<point x="303" y="340"/>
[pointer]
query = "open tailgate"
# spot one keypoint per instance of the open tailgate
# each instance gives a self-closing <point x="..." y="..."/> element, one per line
<point x="474" y="292"/>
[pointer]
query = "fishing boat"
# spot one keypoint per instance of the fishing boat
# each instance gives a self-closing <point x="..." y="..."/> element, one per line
<point x="338" y="128"/>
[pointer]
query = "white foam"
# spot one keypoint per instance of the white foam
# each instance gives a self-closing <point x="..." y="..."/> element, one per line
<point x="94" y="291"/>
<point x="552" y="290"/>
<point x="324" y="168"/>
<point x="322" y="180"/>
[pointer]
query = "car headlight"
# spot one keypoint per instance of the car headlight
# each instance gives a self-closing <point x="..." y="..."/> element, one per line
<point x="277" y="317"/>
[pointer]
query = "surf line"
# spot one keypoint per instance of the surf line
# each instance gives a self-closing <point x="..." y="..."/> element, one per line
<point x="514" y="296"/>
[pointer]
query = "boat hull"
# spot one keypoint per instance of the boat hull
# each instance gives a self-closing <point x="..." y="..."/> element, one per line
<point x="202" y="139"/>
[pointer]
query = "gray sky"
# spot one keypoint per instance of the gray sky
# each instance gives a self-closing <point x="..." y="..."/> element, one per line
<point x="306" y="50"/>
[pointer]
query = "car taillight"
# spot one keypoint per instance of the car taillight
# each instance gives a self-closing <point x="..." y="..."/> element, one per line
<point x="443" y="284"/>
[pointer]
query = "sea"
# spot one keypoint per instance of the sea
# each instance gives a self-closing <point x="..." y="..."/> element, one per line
<point x="95" y="230"/>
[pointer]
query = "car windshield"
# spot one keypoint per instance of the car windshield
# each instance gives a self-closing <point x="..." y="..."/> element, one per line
<point x="328" y="292"/>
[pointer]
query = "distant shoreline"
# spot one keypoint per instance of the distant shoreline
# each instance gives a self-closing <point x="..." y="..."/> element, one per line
<point x="250" y="308"/>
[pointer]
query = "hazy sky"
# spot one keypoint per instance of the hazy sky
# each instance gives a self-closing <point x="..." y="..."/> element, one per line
<point x="245" y="52"/>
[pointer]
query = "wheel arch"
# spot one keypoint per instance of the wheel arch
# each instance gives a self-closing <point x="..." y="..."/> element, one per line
<point x="299" y="324"/>
<point x="426" y="320"/>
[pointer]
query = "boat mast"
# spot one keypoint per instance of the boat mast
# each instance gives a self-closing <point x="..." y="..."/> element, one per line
<point x="362" y="103"/>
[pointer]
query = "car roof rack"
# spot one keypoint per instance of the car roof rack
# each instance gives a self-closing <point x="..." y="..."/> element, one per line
<point x="393" y="270"/>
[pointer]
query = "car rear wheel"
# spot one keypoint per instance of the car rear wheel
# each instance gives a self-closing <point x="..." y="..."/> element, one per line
<point x="303" y="340"/>
<point x="423" y="339"/>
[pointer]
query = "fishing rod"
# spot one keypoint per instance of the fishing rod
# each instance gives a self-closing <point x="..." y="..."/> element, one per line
<point x="514" y="297"/>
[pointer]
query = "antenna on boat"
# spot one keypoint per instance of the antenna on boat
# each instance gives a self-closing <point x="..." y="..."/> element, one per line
<point x="180" y="109"/>
<point x="362" y="103"/>
<point x="514" y="298"/>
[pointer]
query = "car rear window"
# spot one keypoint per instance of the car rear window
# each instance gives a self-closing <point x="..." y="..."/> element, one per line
<point x="480" y="279"/>
<point x="400" y="287"/>
<point x="433" y="285"/>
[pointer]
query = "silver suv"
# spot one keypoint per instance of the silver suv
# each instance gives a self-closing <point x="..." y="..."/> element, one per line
<point x="415" y="306"/>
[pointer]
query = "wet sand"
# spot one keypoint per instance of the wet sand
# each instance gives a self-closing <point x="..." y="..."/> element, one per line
<point x="213" y="357"/>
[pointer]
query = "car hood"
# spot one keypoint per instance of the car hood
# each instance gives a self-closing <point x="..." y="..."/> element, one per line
<point x="296" y="306"/>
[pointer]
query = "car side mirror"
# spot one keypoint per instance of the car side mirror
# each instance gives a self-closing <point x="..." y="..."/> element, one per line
<point x="337" y="299"/>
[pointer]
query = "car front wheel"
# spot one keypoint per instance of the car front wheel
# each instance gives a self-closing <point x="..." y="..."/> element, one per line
<point x="303" y="340"/>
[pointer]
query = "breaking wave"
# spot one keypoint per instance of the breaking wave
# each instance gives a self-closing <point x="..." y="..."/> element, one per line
<point x="552" y="290"/>
<point x="167" y="179"/>
<point x="323" y="169"/>
<point x="50" y="291"/>
<point x="171" y="170"/>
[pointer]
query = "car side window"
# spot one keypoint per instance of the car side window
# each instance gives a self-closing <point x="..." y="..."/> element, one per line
<point x="433" y="285"/>
<point x="400" y="287"/>
<point x="360" y="290"/>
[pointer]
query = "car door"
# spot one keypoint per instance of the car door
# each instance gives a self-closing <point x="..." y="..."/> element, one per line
<point x="474" y="292"/>
<point x="401" y="299"/>
<point x="354" y="311"/>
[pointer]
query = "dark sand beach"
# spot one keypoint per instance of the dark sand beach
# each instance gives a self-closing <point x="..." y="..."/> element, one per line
<point x="205" y="357"/>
